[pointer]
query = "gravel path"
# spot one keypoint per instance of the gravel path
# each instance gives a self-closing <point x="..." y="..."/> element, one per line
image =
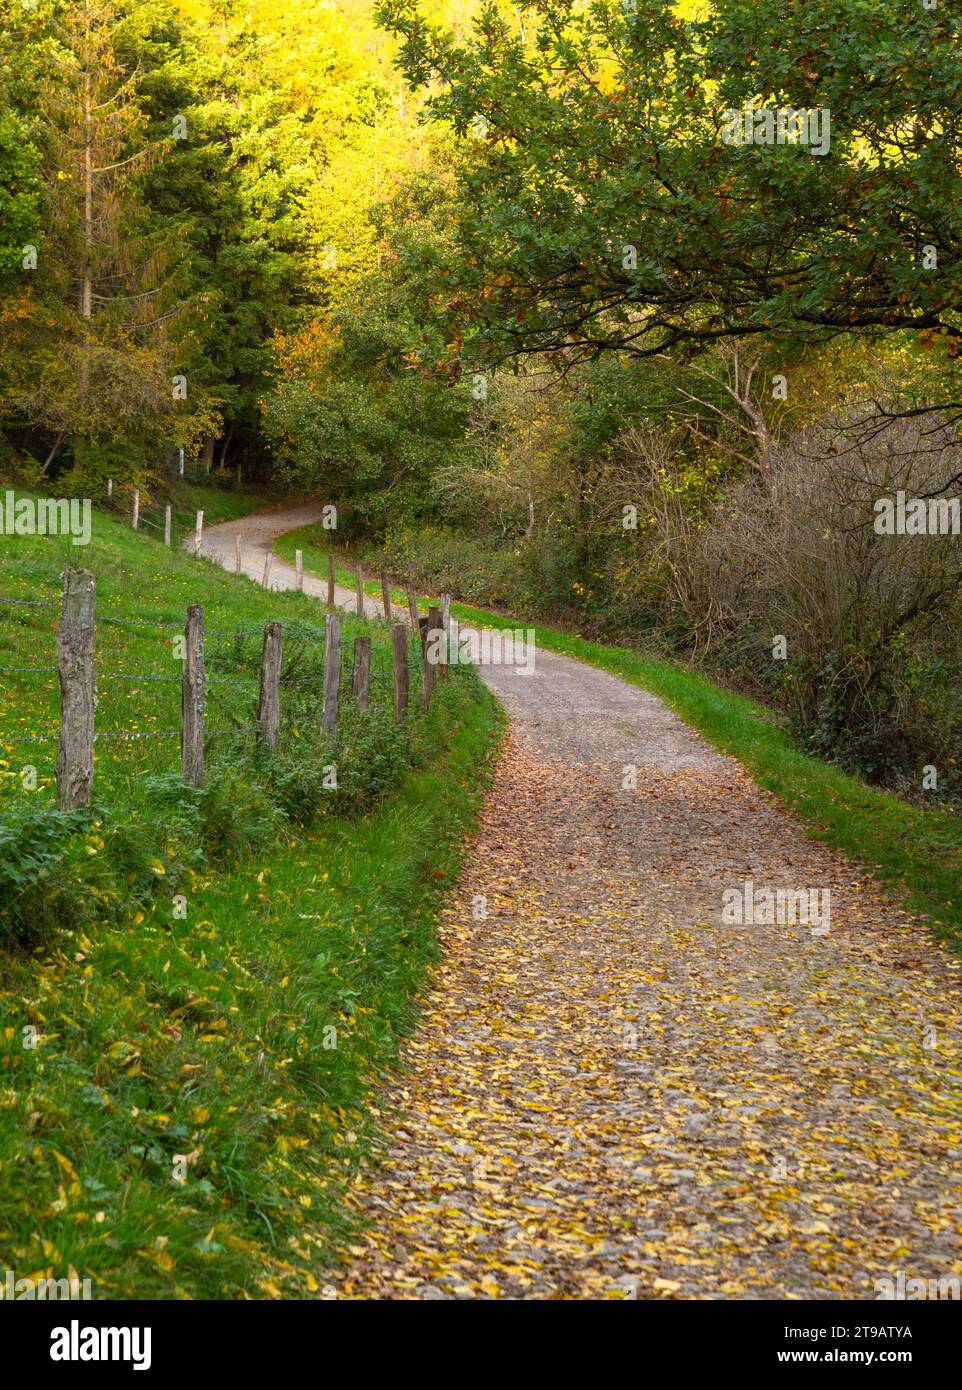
<point x="613" y="1091"/>
<point x="257" y="535"/>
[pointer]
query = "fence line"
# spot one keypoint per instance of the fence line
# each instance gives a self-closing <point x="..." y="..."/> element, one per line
<point x="371" y="668"/>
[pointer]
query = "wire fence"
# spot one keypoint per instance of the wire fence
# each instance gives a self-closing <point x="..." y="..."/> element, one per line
<point x="313" y="678"/>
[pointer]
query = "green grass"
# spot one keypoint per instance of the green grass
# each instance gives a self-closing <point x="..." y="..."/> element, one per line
<point x="187" y="496"/>
<point x="915" y="852"/>
<point x="238" y="1012"/>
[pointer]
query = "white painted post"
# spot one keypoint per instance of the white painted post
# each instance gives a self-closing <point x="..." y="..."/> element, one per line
<point x="181" y="463"/>
<point x="237" y="553"/>
<point x="299" y="567"/>
<point x="198" y="532"/>
<point x="167" y="524"/>
<point x="110" y="487"/>
<point x="135" y="519"/>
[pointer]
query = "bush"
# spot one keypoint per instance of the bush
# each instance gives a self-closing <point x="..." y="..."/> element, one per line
<point x="871" y="621"/>
<point x="42" y="874"/>
<point x="445" y="562"/>
<point x="231" y="816"/>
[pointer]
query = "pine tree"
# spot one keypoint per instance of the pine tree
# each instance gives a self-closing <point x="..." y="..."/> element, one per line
<point x="107" y="335"/>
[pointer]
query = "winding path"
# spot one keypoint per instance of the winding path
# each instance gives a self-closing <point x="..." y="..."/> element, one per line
<point x="615" y="1093"/>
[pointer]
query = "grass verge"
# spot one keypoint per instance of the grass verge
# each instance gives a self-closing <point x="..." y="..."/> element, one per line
<point x="188" y="1077"/>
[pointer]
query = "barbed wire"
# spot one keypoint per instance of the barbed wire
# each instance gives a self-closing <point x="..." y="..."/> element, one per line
<point x="294" y="630"/>
<point x="128" y="734"/>
<point x="379" y="668"/>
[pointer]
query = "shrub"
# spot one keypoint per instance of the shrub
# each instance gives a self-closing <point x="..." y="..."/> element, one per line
<point x="42" y="873"/>
<point x="870" y="620"/>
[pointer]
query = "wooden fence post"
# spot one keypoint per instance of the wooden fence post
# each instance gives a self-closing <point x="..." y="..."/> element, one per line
<point x="110" y="487"/>
<point x="181" y="461"/>
<point x="237" y="553"/>
<point x="269" y="705"/>
<point x="430" y="644"/>
<point x="413" y="606"/>
<point x="299" y="568"/>
<point x="361" y="680"/>
<point x="193" y="699"/>
<point x="330" y="581"/>
<point x="446" y="625"/>
<point x="359" y="593"/>
<point x="269" y="560"/>
<point x="198" y="532"/>
<point x="167" y="524"/>
<point x="386" y="595"/>
<point x="332" y="672"/>
<point x="75" y="659"/>
<point x="399" y="656"/>
<point x="441" y="640"/>
<point x="135" y="519"/>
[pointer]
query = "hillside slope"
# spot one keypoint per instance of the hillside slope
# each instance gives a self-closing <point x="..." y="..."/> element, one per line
<point x="199" y="989"/>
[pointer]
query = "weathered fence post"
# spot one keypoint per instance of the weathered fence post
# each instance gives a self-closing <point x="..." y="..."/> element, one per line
<point x="198" y="532"/>
<point x="181" y="468"/>
<point x="75" y="659"/>
<point x="399" y="655"/>
<point x="268" y="561"/>
<point x="413" y="606"/>
<point x="332" y="672"/>
<point x="269" y="705"/>
<point x="237" y="553"/>
<point x="167" y="524"/>
<point x="110" y="487"/>
<point x="431" y="651"/>
<point x="330" y="581"/>
<point x="361" y="679"/>
<point x="386" y="595"/>
<point x="193" y="699"/>
<point x="441" y="641"/>
<point x="299" y="568"/>
<point x="135" y="518"/>
<point x="446" y="625"/>
<point x="359" y="591"/>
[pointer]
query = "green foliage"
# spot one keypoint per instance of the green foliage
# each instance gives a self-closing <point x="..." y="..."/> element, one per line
<point x="40" y="855"/>
<point x="604" y="133"/>
<point x="372" y="429"/>
<point x="221" y="973"/>
<point x="19" y="194"/>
